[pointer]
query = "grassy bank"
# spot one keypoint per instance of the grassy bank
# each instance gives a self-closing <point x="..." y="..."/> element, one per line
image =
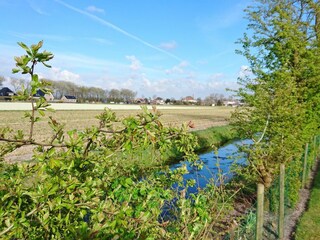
<point x="214" y="136"/>
<point x="309" y="224"/>
<point x="146" y="161"/>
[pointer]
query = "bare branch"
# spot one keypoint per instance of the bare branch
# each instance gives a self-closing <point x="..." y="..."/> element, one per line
<point x="31" y="142"/>
<point x="264" y="130"/>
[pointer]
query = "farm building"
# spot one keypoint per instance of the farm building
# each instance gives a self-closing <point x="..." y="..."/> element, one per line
<point x="141" y="100"/>
<point x="47" y="96"/>
<point x="69" y="99"/>
<point x="6" y="94"/>
<point x="189" y="99"/>
<point x="231" y="103"/>
<point x="158" y="101"/>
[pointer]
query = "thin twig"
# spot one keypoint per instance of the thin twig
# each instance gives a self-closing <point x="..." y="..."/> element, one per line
<point x="32" y="119"/>
<point x="6" y="230"/>
<point x="31" y="142"/>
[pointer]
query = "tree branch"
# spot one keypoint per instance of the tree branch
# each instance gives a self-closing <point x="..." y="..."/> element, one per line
<point x="31" y="142"/>
<point x="264" y="130"/>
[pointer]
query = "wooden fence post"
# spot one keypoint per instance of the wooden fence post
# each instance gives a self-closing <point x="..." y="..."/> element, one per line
<point x="260" y="210"/>
<point x="281" y="203"/>
<point x="305" y="166"/>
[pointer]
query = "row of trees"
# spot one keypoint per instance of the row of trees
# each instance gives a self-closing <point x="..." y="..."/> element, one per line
<point x="216" y="99"/>
<point x="283" y="91"/>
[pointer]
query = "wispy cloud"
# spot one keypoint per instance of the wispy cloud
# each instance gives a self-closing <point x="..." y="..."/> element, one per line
<point x="168" y="45"/>
<point x="40" y="36"/>
<point x="118" y="29"/>
<point x="85" y="62"/>
<point x="94" y="9"/>
<point x="57" y="38"/>
<point x="101" y="41"/>
<point x="35" y="6"/>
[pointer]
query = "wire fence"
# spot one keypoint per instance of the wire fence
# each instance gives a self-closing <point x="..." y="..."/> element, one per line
<point x="277" y="209"/>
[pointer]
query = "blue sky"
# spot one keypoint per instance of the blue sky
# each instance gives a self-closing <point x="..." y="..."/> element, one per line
<point x="166" y="48"/>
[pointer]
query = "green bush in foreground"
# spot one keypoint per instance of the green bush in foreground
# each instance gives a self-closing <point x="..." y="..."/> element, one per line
<point x="77" y="186"/>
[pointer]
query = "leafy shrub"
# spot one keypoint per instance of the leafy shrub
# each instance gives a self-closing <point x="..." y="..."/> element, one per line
<point x="81" y="184"/>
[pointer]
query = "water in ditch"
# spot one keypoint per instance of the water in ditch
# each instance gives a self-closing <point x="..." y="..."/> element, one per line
<point x="215" y="163"/>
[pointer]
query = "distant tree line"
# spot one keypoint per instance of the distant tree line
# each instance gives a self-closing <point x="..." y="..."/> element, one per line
<point x="96" y="94"/>
<point x="82" y="93"/>
<point x="216" y="99"/>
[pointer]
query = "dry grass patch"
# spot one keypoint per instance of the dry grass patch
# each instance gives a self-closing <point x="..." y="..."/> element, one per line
<point x="202" y="117"/>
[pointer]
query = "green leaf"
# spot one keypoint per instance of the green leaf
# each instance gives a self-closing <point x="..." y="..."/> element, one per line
<point x="100" y="217"/>
<point x="41" y="112"/>
<point x="50" y="109"/>
<point x="35" y="78"/>
<point x="24" y="46"/>
<point x="46" y="216"/>
<point x="15" y="70"/>
<point x="7" y="222"/>
<point x="36" y="47"/>
<point x="128" y="181"/>
<point x="48" y="66"/>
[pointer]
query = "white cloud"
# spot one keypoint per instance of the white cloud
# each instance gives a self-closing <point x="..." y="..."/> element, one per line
<point x="58" y="74"/>
<point x="135" y="63"/>
<point x="115" y="82"/>
<point x="216" y="77"/>
<point x="94" y="9"/>
<point x="219" y="82"/>
<point x="178" y="69"/>
<point x="244" y="71"/>
<point x="178" y="82"/>
<point x="154" y="87"/>
<point x="168" y="45"/>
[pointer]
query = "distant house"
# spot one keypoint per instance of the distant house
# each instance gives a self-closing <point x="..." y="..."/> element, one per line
<point x="69" y="99"/>
<point x="231" y="103"/>
<point x="141" y="101"/>
<point x="47" y="96"/>
<point x="158" y="101"/>
<point x="6" y="94"/>
<point x="189" y="99"/>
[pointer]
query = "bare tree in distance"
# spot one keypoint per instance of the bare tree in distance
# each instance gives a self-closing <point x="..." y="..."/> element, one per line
<point x="2" y="79"/>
